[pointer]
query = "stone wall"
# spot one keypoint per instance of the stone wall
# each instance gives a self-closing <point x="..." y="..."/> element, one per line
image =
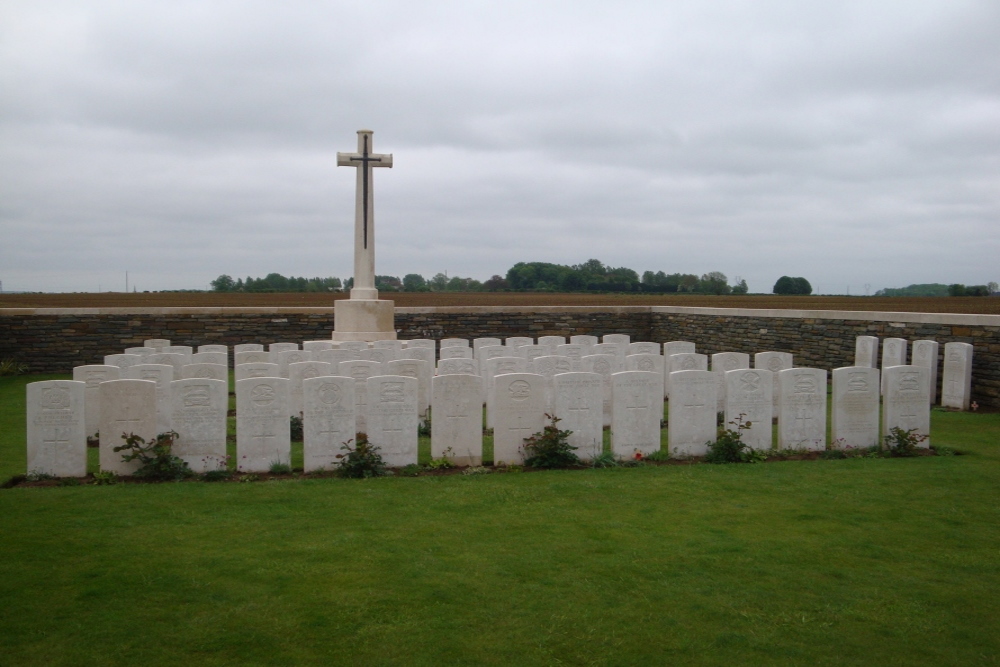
<point x="55" y="340"/>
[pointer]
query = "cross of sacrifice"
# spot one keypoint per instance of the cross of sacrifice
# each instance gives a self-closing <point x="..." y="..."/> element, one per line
<point x="364" y="212"/>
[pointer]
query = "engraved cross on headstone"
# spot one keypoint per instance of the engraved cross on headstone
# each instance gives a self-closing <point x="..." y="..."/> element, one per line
<point x="364" y="213"/>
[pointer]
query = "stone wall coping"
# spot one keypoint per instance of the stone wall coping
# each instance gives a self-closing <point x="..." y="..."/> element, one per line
<point x="862" y="315"/>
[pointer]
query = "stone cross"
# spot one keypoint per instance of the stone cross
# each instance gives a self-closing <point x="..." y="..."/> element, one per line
<point x="364" y="213"/>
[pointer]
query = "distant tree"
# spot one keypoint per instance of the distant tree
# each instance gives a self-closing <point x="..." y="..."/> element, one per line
<point x="740" y="287"/>
<point x="977" y="290"/>
<point x="223" y="283"/>
<point x="388" y="283"/>
<point x="714" y="282"/>
<point x="786" y="285"/>
<point x="439" y="282"/>
<point x="414" y="282"/>
<point x="956" y="289"/>
<point x="496" y="283"/>
<point x="992" y="287"/>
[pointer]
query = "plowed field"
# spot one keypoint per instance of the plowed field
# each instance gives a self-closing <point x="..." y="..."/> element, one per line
<point x="974" y="305"/>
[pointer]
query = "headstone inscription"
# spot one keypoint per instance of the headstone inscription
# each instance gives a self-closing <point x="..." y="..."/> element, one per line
<point x="247" y="347"/>
<point x="337" y="355"/>
<point x="56" y="428"/>
<point x="692" y="412"/>
<point x="515" y="342"/>
<point x="127" y="407"/>
<point x="617" y="339"/>
<point x="156" y="343"/>
<point x="574" y="351"/>
<point x="252" y="357"/>
<point x="122" y="360"/>
<point x="478" y="343"/>
<point x="288" y="357"/>
<point x="419" y="342"/>
<point x="263" y="435"/>
<point x="394" y="345"/>
<point x="802" y="409"/>
<point x="460" y="367"/>
<point x="175" y="360"/>
<point x="220" y="358"/>
<point x="205" y="372"/>
<point x="92" y="375"/>
<point x="392" y="418"/>
<point x="722" y="363"/>
<point x="866" y="351"/>
<point x="678" y="347"/>
<point x="774" y="362"/>
<point x="317" y="345"/>
<point x="685" y="361"/>
<point x="282" y="347"/>
<point x="328" y="420"/>
<point x="297" y="374"/>
<point x="499" y="366"/>
<point x="517" y="403"/>
<point x="260" y="370"/>
<point x="636" y="412"/>
<point x="925" y="353"/>
<point x="604" y="365"/>
<point x="360" y="370"/>
<point x="643" y="348"/>
<point x="457" y="406"/>
<point x="855" y="407"/>
<point x="419" y="370"/>
<point x="184" y="350"/>
<point x="585" y="340"/>
<point x="551" y="340"/>
<point x="198" y="416"/>
<point x="651" y="363"/>
<point x="579" y="404"/>
<point x="453" y="342"/>
<point x="141" y="351"/>
<point x="379" y="354"/>
<point x="456" y="352"/>
<point x="748" y="397"/>
<point x="956" y="386"/>
<point x="906" y="402"/>
<point x="224" y="349"/>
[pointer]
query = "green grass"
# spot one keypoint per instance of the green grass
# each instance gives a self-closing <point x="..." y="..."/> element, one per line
<point x="860" y="561"/>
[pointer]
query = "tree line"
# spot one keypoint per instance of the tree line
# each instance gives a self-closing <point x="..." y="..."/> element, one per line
<point x="939" y="289"/>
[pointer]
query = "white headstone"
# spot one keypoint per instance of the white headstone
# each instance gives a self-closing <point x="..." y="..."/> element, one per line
<point x="298" y="373"/>
<point x="774" y="362"/>
<point x="488" y="352"/>
<point x="360" y="371"/>
<point x="353" y="345"/>
<point x="478" y="343"/>
<point x="220" y="358"/>
<point x="551" y="365"/>
<point x="122" y="360"/>
<point x="499" y="366"/>
<point x="288" y="357"/>
<point x="617" y="339"/>
<point x="906" y="400"/>
<point x="686" y="361"/>
<point x="532" y="352"/>
<point x="579" y="404"/>
<point x="317" y="345"/>
<point x="515" y="342"/>
<point x="615" y="350"/>
<point x="157" y="343"/>
<point x="260" y="370"/>
<point x="517" y="403"/>
<point x="185" y="350"/>
<point x="604" y="365"/>
<point x="925" y="353"/>
<point x="395" y="345"/>
<point x="419" y="342"/>
<point x="457" y="406"/>
<point x="956" y="385"/>
<point x="198" y="415"/>
<point x="574" y="351"/>
<point x="328" y="420"/>
<point x="247" y="347"/>
<point x="636" y="413"/>
<point x="650" y="363"/>
<point x="551" y="340"/>
<point x="855" y="407"/>
<point x="456" y="352"/>
<point x="421" y="353"/>
<point x="162" y="375"/>
<point x="453" y="342"/>
<point x="866" y="351"/>
<point x="420" y="371"/>
<point x="57" y="436"/>
<point x="802" y="409"/>
<point x="748" y="393"/>
<point x="460" y="367"/>
<point x="380" y="354"/>
<point x="587" y="341"/>
<point x="92" y="375"/>
<point x="224" y="349"/>
<point x="205" y="372"/>
<point x="392" y="418"/>
<point x="283" y="347"/>
<point x="263" y="432"/>
<point x="252" y="357"/>
<point x="643" y="348"/>
<point x="337" y="355"/>
<point x="175" y="360"/>
<point x="141" y="351"/>
<point x="723" y="362"/>
<point x="127" y="407"/>
<point x="893" y="354"/>
<point x="678" y="347"/>
<point x="691" y="423"/>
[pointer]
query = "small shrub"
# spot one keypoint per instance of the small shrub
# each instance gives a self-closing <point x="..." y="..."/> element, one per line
<point x="476" y="470"/>
<point x="155" y="458"/>
<point x="442" y="463"/>
<point x="730" y="448"/>
<point x="69" y="481"/>
<point x="105" y="478"/>
<point x="411" y="470"/>
<point x="424" y="427"/>
<point x="250" y="477"/>
<point x="903" y="443"/>
<point x="35" y="476"/>
<point x="604" y="460"/>
<point x="503" y="467"/>
<point x="280" y="468"/>
<point x="295" y="425"/>
<point x="550" y="448"/>
<point x="94" y="441"/>
<point x="217" y="475"/>
<point x="11" y="366"/>
<point x="658" y="455"/>
<point x="941" y="450"/>
<point x="362" y="461"/>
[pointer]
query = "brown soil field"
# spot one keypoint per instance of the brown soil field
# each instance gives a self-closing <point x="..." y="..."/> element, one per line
<point x="970" y="305"/>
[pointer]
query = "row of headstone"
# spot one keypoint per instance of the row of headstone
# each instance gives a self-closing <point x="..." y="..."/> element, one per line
<point x="956" y="381"/>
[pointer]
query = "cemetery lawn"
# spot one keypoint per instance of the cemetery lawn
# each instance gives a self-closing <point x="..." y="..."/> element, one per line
<point x="830" y="562"/>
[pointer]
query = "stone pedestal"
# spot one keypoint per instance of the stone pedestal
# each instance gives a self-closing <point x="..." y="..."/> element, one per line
<point x="364" y="319"/>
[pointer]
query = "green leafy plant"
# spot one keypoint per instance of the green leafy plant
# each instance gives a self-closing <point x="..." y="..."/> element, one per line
<point x="250" y="477"/>
<point x="105" y="478"/>
<point x="69" y="481"/>
<point x="280" y="468"/>
<point x="424" y="426"/>
<point x="901" y="442"/>
<point x="411" y="470"/>
<point x="361" y="461"/>
<point x="550" y="448"/>
<point x="442" y="463"/>
<point x="504" y="468"/>
<point x="156" y="460"/>
<point x="11" y="366"/>
<point x="476" y="470"/>
<point x="604" y="460"/>
<point x="729" y="446"/>
<point x="35" y="476"/>
<point x="658" y="455"/>
<point x="217" y="475"/>
<point x="295" y="424"/>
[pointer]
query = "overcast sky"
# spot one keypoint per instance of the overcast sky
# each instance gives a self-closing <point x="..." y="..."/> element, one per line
<point x="853" y="143"/>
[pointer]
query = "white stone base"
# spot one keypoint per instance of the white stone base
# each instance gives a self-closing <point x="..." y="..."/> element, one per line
<point x="364" y="319"/>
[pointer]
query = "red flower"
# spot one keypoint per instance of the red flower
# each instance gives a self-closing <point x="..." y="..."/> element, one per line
<point x="638" y="455"/>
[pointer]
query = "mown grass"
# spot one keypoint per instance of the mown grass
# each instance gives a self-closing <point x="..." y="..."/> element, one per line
<point x="861" y="561"/>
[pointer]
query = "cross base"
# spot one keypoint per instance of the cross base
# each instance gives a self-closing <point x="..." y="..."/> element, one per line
<point x="364" y="319"/>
